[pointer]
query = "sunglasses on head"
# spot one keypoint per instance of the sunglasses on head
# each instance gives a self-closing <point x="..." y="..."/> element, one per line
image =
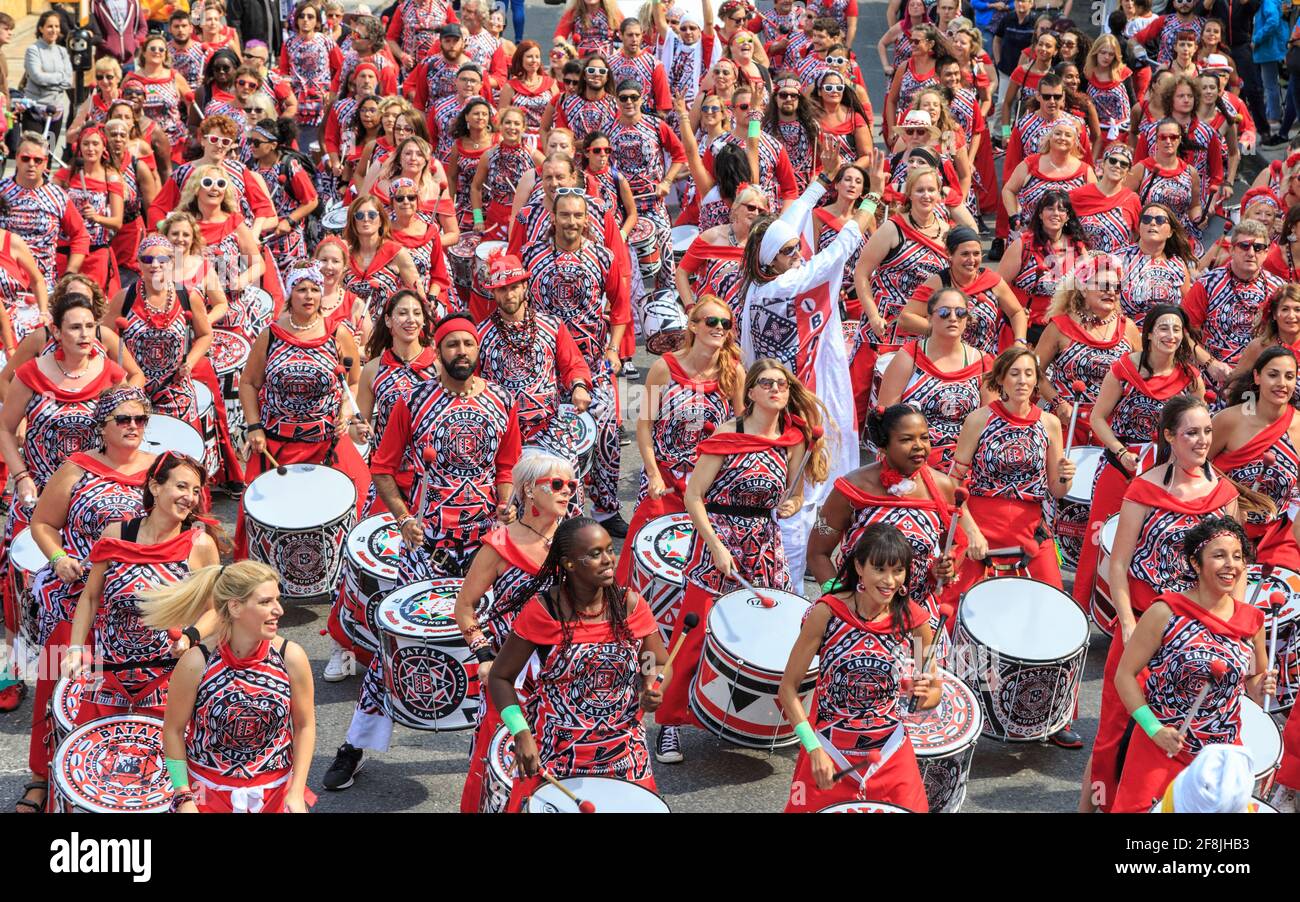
<point x="556" y="484"/>
<point x="131" y="419"/>
<point x="1256" y="246"/>
<point x="364" y="215"/>
<point x="597" y="70"/>
<point x="950" y="312"/>
<point x="31" y="158"/>
<point x="218" y="140"/>
<point x="209" y="182"/>
<point x="714" y="321"/>
<point x="773" y="383"/>
<point x="1154" y="219"/>
<point x="570" y="191"/>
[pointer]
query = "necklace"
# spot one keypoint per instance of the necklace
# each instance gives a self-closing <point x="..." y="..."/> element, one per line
<point x="85" y="366"/>
<point x="303" y="328"/>
<point x="731" y="235"/>
<point x="1194" y="473"/>
<point x="546" y="540"/>
<point x="573" y="603"/>
<point x="469" y="389"/>
<point x="937" y="226"/>
<point x="1090" y="319"/>
<point x="518" y="336"/>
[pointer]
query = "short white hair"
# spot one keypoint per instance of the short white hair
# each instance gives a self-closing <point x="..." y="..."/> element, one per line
<point x="534" y="464"/>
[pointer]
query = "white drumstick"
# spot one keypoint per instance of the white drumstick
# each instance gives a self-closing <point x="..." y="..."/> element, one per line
<point x="1275" y="602"/>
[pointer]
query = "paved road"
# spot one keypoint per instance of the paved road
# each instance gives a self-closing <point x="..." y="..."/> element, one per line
<point x="424" y="772"/>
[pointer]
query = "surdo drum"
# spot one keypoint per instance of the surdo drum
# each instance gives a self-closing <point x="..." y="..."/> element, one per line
<point x="746" y="647"/>
<point x="27" y="560"/>
<point x="581" y="436"/>
<point x="460" y="260"/>
<point x="1072" y="510"/>
<point x="682" y="238"/>
<point x="65" y="701"/>
<point x="645" y="244"/>
<point x="229" y="354"/>
<point x="166" y="433"/>
<point x="608" y="794"/>
<point x="429" y="671"/>
<point x="298" y="523"/>
<point x="863" y="808"/>
<point x="499" y="774"/>
<point x="663" y="322"/>
<point x="259" y="309"/>
<point x="110" y="766"/>
<point x="369" y="576"/>
<point x="659" y="554"/>
<point x="1262" y="738"/>
<point x="944" y="740"/>
<point x="1288" y="629"/>
<point x="1102" y="608"/>
<point x="335" y="220"/>
<point x="1021" y="644"/>
<point x="208" y="426"/>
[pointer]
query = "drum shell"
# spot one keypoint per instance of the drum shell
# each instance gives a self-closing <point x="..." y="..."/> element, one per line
<point x="335" y="220"/>
<point x="26" y="561"/>
<point x="399" y="653"/>
<point x="1101" y="607"/>
<point x="663" y="323"/>
<point x="609" y="794"/>
<point x="309" y="559"/>
<point x="863" y="808"/>
<point x="645" y="244"/>
<point x="460" y="260"/>
<point x="103" y="748"/>
<point x="655" y="575"/>
<point x="1011" y="688"/>
<point x="65" y="701"/>
<point x="1263" y="740"/>
<point x="363" y="587"/>
<point x="208" y="427"/>
<point x="228" y="364"/>
<point x="498" y="773"/>
<point x="259" y="309"/>
<point x="945" y="766"/>
<point x="682" y="237"/>
<point x="1288" y="629"/>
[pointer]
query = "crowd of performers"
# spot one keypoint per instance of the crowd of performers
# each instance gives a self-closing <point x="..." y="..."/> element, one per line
<point x="284" y="254"/>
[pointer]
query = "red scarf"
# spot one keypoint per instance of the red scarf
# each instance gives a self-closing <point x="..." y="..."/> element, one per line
<point x="99" y="468"/>
<point x="1245" y="622"/>
<point x="169" y="552"/>
<point x="1144" y="491"/>
<point x="724" y="443"/>
<point x="916" y="615"/>
<point x="1263" y="440"/>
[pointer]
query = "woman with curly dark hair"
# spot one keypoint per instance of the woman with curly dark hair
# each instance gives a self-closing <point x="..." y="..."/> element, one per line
<point x="1049" y="246"/>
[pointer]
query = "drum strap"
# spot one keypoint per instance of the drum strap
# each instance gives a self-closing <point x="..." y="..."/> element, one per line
<point x="737" y="510"/>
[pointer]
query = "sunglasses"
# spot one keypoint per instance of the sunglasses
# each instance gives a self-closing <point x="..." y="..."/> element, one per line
<point x="218" y="140"/>
<point x="915" y="132"/>
<point x="837" y="60"/>
<point x="258" y="142"/>
<point x="405" y="198"/>
<point x="1052" y="96"/>
<point x="714" y="321"/>
<point x="556" y="484"/>
<point x="599" y="151"/>
<point x="570" y="191"/>
<point x="557" y="54"/>
<point x="1169" y="137"/>
<point x="742" y="107"/>
<point x="791" y="251"/>
<point x="154" y="261"/>
<point x="778" y="383"/>
<point x="628" y="98"/>
<point x="1256" y="246"/>
<point x="754" y="208"/>
<point x="1154" y="219"/>
<point x="31" y="158"/>
<point x="950" y="312"/>
<point x="1108" y="288"/>
<point x="131" y="419"/>
<point x="833" y="89"/>
<point x="572" y="82"/>
<point x="787" y="95"/>
<point x="246" y="84"/>
<point x="400" y="129"/>
<point x="711" y="108"/>
<point x="738" y="21"/>
<point x="106" y="76"/>
<point x="1120" y="162"/>
<point x="597" y="70"/>
<point x="364" y="215"/>
<point x="209" y="182"/>
<point x="155" y="49"/>
<point x="745" y="43"/>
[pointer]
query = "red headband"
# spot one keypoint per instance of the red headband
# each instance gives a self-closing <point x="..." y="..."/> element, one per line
<point x="455" y="324"/>
<point x="364" y="67"/>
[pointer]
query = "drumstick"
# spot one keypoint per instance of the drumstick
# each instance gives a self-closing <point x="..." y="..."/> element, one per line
<point x="1218" y="670"/>
<point x="689" y="622"/>
<point x="121" y="323"/>
<point x="766" y="600"/>
<point x="946" y="611"/>
<point x="873" y="757"/>
<point x="817" y="433"/>
<point x="275" y="463"/>
<point x="1275" y="602"/>
<point x="1079" y="389"/>
<point x="1265" y="571"/>
<point x="1268" y="459"/>
<point x="352" y="400"/>
<point x="960" y="494"/>
<point x="584" y="806"/>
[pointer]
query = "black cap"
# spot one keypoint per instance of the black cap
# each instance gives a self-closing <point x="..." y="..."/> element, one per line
<point x="450" y="30"/>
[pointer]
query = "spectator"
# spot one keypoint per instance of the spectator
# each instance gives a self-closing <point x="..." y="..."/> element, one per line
<point x="1238" y="17"/>
<point x="119" y="26"/>
<point x="257" y="20"/>
<point x="1015" y="33"/>
<point x="1269" y="51"/>
<point x="49" y="76"/>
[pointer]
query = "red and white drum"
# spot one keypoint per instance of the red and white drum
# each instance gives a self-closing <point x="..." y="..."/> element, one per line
<point x="499" y="774"/>
<point x="1262" y="738"/>
<point x="1072" y="510"/>
<point x="229" y="355"/>
<point x="429" y="672"/>
<point x="659" y="554"/>
<point x="208" y="426"/>
<point x="863" y="808"/>
<point x="166" y="433"/>
<point x="644" y="242"/>
<point x="1102" y="608"/>
<point x="608" y="794"/>
<point x="65" y="701"/>
<point x="682" y="237"/>
<point x="460" y="260"/>
<point x="369" y="576"/>
<point x="1288" y="629"/>
<point x="944" y="740"/>
<point x="578" y="434"/>
<point x="746" y="647"/>
<point x="482" y="251"/>
<point x="110" y="766"/>
<point x="259" y="309"/>
<point x="1021" y="645"/>
<point x="298" y="523"/>
<point x="27" y="560"/>
<point x="663" y="322"/>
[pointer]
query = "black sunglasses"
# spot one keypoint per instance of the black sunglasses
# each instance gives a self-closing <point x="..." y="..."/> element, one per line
<point x="131" y="419"/>
<point x="1154" y="219"/>
<point x="950" y="312"/>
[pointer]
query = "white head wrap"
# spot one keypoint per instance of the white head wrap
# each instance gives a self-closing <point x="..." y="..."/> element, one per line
<point x="308" y="273"/>
<point x="778" y="235"/>
<point x="1220" y="780"/>
<point x="691" y="17"/>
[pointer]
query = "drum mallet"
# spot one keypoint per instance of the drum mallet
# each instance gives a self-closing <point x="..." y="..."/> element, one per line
<point x="1218" y="670"/>
<point x="280" y="470"/>
<point x="946" y="610"/>
<point x="959" y="495"/>
<point x="1268" y="459"/>
<point x="352" y="400"/>
<point x="1265" y="571"/>
<point x="817" y="433"/>
<point x="873" y="757"/>
<point x="1275" y="602"/>
<point x="120" y="324"/>
<point x="689" y="622"/>
<point x="1078" y="388"/>
<point x="584" y="806"/>
<point x="766" y="600"/>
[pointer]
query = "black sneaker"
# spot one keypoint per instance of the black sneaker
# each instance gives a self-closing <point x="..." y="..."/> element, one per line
<point x="347" y="763"/>
<point x="1066" y="738"/>
<point x="668" y="747"/>
<point x="616" y="526"/>
<point x="997" y="249"/>
<point x="1273" y="140"/>
<point x="624" y="438"/>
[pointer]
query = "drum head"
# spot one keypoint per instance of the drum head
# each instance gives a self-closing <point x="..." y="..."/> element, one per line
<point x="374" y="545"/>
<point x="662" y="547"/>
<point x="114" y="765"/>
<point x="683" y="237"/>
<point x="1280" y="580"/>
<point x="229" y="352"/>
<point x="610" y="796"/>
<point x="1108" y="530"/>
<point x="307" y="495"/>
<point x="1261" y="737"/>
<point x="582" y="428"/>
<point x="1023" y="619"/>
<point x="335" y="220"/>
<point x="863" y="808"/>
<point x="501" y="755"/>
<point x="761" y="637"/>
<point x="202" y="397"/>
<point x="170" y="434"/>
<point x="24" y="552"/>
<point x="1087" y="460"/>
<point x="952" y="725"/>
<point x="883" y="361"/>
<point x="486" y="249"/>
<point x="643" y="231"/>
<point x="421" y="611"/>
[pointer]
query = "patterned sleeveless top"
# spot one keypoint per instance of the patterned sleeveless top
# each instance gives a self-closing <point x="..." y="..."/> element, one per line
<point x="1086" y="359"/>
<point x="300" y="393"/>
<point x="1136" y="417"/>
<point x="393" y="382"/>
<point x="1279" y="480"/>
<point x="163" y="104"/>
<point x="913" y="260"/>
<point x="93" y="193"/>
<point x="1011" y="458"/>
<point x="159" y="341"/>
<point x="309" y="74"/>
<point x="946" y="398"/>
<point x="496" y="612"/>
<point x="583" y="116"/>
<point x="800" y="151"/>
<point x="570" y="286"/>
<point x="60" y="422"/>
<point x="1158" y="557"/>
<point x="685" y="406"/>
<point x="1171" y="187"/>
<point x="375" y="282"/>
<point x="1149" y="282"/>
<point x="912" y="83"/>
<point x="524" y="363"/>
<point x="506" y="166"/>
<point x="242" y="726"/>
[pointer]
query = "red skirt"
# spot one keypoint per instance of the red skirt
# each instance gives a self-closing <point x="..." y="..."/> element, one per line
<point x="1107" y="498"/>
<point x="674" y="711"/>
<point x="1147" y="774"/>
<point x="896" y="782"/>
<point x="487" y="727"/>
<point x="1007" y="522"/>
<point x="1288" y="774"/>
<point x="1113" y="718"/>
<point x="40" y="749"/>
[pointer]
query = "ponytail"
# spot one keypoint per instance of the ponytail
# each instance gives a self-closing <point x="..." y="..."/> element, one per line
<point x="214" y="587"/>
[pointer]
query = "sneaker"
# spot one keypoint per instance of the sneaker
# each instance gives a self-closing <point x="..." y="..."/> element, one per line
<point x="630" y="371"/>
<point x="616" y="526"/>
<point x="1066" y="738"/>
<point x="347" y="764"/>
<point x="1273" y="140"/>
<point x="336" y="670"/>
<point x="624" y="439"/>
<point x="997" y="249"/>
<point x="668" y="747"/>
<point x="12" y="696"/>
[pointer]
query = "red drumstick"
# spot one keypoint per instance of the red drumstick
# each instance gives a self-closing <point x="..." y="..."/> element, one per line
<point x="766" y="600"/>
<point x="1275" y="602"/>
<point x="1269" y="460"/>
<point x="584" y="806"/>
<point x="817" y="433"/>
<point x="1078" y="388"/>
<point x="873" y="757"/>
<point x="689" y="622"/>
<point x="429" y="455"/>
<point x="1218" y="670"/>
<point x="120" y="323"/>
<point x="960" y="494"/>
<point x="1210" y="395"/>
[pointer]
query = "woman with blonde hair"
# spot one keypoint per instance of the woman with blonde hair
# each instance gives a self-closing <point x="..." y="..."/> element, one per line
<point x="1108" y="85"/>
<point x="744" y="473"/>
<point x="245" y="663"/>
<point x="414" y="160"/>
<point x="590" y="25"/>
<point x="1059" y="164"/>
<point x="94" y="109"/>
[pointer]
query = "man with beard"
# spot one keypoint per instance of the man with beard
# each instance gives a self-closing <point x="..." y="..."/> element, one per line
<point x="443" y="111"/>
<point x="435" y="78"/>
<point x="534" y="357"/>
<point x="582" y="283"/>
<point x="633" y="62"/>
<point x="792" y="118"/>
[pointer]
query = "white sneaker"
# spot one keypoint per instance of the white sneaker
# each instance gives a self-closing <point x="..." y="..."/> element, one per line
<point x="336" y="670"/>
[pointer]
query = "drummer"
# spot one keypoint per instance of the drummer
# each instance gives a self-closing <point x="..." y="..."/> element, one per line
<point x="244" y="666"/>
<point x="585" y="717"/>
<point x="377" y="264"/>
<point x="1160" y="506"/>
<point x="1171" y="654"/>
<point x="742" y="477"/>
<point x="901" y="490"/>
<point x="863" y="633"/>
<point x="502" y="580"/>
<point x="1255" y="443"/>
<point x="287" y="422"/>
<point x="339" y="305"/>
<point x="169" y="542"/>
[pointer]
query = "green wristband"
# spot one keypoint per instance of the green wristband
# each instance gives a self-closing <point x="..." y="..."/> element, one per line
<point x="514" y="720"/>
<point x="478" y="216"/>
<point x="868" y="205"/>
<point x="754" y="128"/>
<point x="807" y="737"/>
<point x="179" y="772"/>
<point x="1147" y="720"/>
<point x="58" y="556"/>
